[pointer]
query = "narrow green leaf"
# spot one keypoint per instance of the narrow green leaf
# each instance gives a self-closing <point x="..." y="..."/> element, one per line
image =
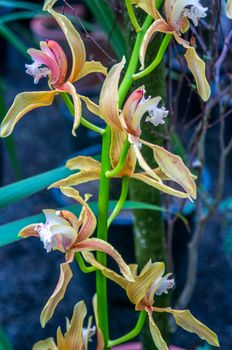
<point x="4" y="342"/>
<point x="20" y="5"/>
<point x="9" y="232"/>
<point x="25" y="188"/>
<point x="106" y="18"/>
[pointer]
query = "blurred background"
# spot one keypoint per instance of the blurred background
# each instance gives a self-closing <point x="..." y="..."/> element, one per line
<point x="42" y="141"/>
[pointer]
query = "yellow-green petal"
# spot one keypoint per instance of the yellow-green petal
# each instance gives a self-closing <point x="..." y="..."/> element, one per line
<point x="73" y="336"/>
<point x="92" y="67"/>
<point x="47" y="344"/>
<point x="156" y="335"/>
<point x="24" y="103"/>
<point x="229" y="9"/>
<point x="197" y="67"/>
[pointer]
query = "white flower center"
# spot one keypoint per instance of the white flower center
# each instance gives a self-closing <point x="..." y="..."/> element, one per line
<point x="191" y="9"/>
<point x="165" y="285"/>
<point x="49" y="240"/>
<point x="156" y="115"/>
<point x="195" y="13"/>
<point x="37" y="71"/>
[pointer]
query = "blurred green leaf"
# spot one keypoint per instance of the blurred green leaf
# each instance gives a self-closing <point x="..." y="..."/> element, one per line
<point x="20" y="5"/>
<point x="9" y="232"/>
<point x="25" y="188"/>
<point x="4" y="342"/>
<point x="107" y="19"/>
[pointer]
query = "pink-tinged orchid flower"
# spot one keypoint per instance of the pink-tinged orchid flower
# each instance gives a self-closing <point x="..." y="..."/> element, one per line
<point x="51" y="61"/>
<point x="229" y="9"/>
<point x="125" y="124"/>
<point x="76" y="337"/>
<point x="178" y="13"/>
<point x="143" y="292"/>
<point x="65" y="232"/>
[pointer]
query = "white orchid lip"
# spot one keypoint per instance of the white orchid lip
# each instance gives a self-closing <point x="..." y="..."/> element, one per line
<point x="37" y="71"/>
<point x="192" y="9"/>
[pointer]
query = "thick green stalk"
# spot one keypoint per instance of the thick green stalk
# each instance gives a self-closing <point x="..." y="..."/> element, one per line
<point x="102" y="233"/>
<point x="132" y="334"/>
<point x="121" y="201"/>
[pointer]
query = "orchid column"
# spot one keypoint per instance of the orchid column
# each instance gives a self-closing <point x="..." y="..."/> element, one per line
<point x="149" y="229"/>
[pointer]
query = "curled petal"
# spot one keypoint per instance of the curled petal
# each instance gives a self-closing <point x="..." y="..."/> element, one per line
<point x="146" y="106"/>
<point x="73" y="335"/>
<point x="83" y="163"/>
<point x="29" y="231"/>
<point x="109" y="96"/>
<point x="187" y="321"/>
<point x="229" y="9"/>
<point x="64" y="237"/>
<point x="160" y="25"/>
<point x="47" y="344"/>
<point x="77" y="179"/>
<point x="24" y="103"/>
<point x="117" y="140"/>
<point x="174" y="168"/>
<point x="73" y="37"/>
<point x="181" y="41"/>
<point x="92" y="107"/>
<point x="144" y="164"/>
<point x="70" y="218"/>
<point x="138" y="290"/>
<point x="156" y="335"/>
<point x="91" y="67"/>
<point x="197" y="67"/>
<point x="95" y="244"/>
<point x="113" y="276"/>
<point x="57" y="295"/>
<point x="89" y="220"/>
<point x="149" y="6"/>
<point x="70" y="88"/>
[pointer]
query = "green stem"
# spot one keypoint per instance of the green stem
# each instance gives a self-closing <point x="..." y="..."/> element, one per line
<point x="121" y="162"/>
<point x="132" y="334"/>
<point x="102" y="233"/>
<point x="122" y="198"/>
<point x="84" y="122"/>
<point x="81" y="263"/>
<point x="132" y="16"/>
<point x="157" y="59"/>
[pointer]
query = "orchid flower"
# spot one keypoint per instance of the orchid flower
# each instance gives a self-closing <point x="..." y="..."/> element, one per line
<point x="178" y="13"/>
<point x="65" y="232"/>
<point x="125" y="124"/>
<point x="229" y="9"/>
<point x="143" y="292"/>
<point x="51" y="61"/>
<point x="76" y="337"/>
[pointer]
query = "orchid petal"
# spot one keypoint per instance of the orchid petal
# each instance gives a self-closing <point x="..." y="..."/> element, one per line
<point x="57" y="295"/>
<point x="77" y="179"/>
<point x="149" y="6"/>
<point x="73" y="335"/>
<point x="197" y="67"/>
<point x="229" y="9"/>
<point x="70" y="218"/>
<point x="73" y="37"/>
<point x="52" y="217"/>
<point x="92" y="107"/>
<point x="142" y="109"/>
<point x="100" y="338"/>
<point x="47" y="344"/>
<point x="24" y="103"/>
<point x="29" y="231"/>
<point x="174" y="168"/>
<point x="83" y="163"/>
<point x="89" y="223"/>
<point x="109" y="96"/>
<point x="60" y="340"/>
<point x="187" y="321"/>
<point x="143" y="164"/>
<point x="43" y="59"/>
<point x="160" y="25"/>
<point x="95" y="244"/>
<point x="137" y="291"/>
<point x="66" y="236"/>
<point x="117" y="141"/>
<point x="113" y="276"/>
<point x="156" y="335"/>
<point x="181" y="41"/>
<point x="91" y="67"/>
<point x="70" y="88"/>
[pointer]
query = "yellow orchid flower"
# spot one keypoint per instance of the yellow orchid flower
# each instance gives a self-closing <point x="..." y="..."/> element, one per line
<point x="76" y="337"/>
<point x="125" y="124"/>
<point x="65" y="232"/>
<point x="229" y="9"/>
<point x="51" y="61"/>
<point x="178" y="13"/>
<point x="142" y="292"/>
